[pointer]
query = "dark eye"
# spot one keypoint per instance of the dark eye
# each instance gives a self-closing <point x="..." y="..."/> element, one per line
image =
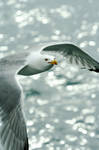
<point x="46" y="59"/>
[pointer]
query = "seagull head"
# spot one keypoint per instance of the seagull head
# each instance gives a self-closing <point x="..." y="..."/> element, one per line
<point x="47" y="61"/>
<point x="50" y="60"/>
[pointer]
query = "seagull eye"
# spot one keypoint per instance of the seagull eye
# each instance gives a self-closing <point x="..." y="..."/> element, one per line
<point x="46" y="59"/>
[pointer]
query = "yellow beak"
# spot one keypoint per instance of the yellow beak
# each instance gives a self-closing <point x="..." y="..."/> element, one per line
<point x="54" y="62"/>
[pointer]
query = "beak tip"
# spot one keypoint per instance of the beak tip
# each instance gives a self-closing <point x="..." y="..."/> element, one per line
<point x="54" y="62"/>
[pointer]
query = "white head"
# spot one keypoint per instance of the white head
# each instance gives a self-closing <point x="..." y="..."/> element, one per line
<point x="47" y="61"/>
<point x="37" y="63"/>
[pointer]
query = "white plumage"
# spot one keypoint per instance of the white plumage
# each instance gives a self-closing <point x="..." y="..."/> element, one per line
<point x="36" y="63"/>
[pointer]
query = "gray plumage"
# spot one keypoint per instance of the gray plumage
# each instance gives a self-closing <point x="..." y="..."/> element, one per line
<point x="13" y="135"/>
<point x="74" y="55"/>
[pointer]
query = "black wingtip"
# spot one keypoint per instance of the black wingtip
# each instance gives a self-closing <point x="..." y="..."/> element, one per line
<point x="95" y="70"/>
<point x="26" y="146"/>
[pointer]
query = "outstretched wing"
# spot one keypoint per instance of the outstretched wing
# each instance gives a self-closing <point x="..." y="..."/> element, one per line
<point x="75" y="55"/>
<point x="13" y="135"/>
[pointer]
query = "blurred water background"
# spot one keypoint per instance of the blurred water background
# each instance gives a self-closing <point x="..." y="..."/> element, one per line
<point x="62" y="105"/>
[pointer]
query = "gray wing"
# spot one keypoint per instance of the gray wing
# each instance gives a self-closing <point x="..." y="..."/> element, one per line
<point x="13" y="135"/>
<point x="75" y="55"/>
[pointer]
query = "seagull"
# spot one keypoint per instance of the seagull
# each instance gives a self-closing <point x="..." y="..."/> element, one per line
<point x="13" y="133"/>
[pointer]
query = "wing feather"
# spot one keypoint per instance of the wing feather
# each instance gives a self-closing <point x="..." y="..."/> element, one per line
<point x="13" y="134"/>
<point x="74" y="54"/>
